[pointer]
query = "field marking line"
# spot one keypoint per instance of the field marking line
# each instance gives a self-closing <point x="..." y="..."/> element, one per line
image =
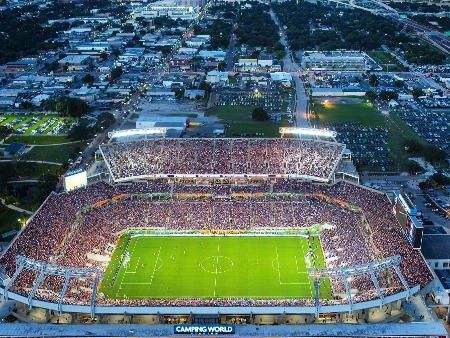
<point x="137" y="265"/>
<point x="217" y="267"/>
<point x="310" y="287"/>
<point x="121" y="267"/>
<point x="279" y="273"/>
<point x="154" y="267"/>
<point x="278" y="264"/>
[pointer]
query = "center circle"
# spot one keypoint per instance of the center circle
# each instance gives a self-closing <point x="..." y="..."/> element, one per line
<point x="216" y="264"/>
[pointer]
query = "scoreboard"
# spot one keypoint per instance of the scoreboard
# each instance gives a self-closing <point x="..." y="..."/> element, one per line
<point x="75" y="179"/>
<point x="406" y="213"/>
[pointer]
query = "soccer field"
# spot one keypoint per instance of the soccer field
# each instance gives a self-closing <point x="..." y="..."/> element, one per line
<point x="213" y="267"/>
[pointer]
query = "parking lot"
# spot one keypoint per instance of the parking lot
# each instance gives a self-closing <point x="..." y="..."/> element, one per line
<point x="37" y="124"/>
<point x="273" y="101"/>
<point x="430" y="215"/>
<point x="431" y="124"/>
<point x="369" y="145"/>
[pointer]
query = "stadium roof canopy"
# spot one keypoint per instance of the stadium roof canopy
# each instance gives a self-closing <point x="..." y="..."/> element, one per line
<point x="222" y="158"/>
<point x="416" y="329"/>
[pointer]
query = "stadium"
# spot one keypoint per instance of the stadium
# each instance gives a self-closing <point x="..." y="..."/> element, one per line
<point x="230" y="231"/>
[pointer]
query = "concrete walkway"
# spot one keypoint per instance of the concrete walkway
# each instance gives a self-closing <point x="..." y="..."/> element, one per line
<point x="13" y="207"/>
<point x="25" y="181"/>
<point x="32" y="161"/>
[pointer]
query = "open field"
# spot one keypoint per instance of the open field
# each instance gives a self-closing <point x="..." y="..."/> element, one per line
<point x="387" y="61"/>
<point x="238" y="122"/>
<point x="57" y="153"/>
<point x="338" y="110"/>
<point x="9" y="219"/>
<point x="44" y="139"/>
<point x="213" y="267"/>
<point x="12" y="170"/>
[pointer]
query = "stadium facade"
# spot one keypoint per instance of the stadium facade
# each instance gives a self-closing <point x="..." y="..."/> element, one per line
<point x="222" y="187"/>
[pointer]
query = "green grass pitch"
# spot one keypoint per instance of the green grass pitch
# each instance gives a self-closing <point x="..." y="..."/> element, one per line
<point x="213" y="267"/>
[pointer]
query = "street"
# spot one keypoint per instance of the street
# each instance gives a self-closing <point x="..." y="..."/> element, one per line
<point x="290" y="66"/>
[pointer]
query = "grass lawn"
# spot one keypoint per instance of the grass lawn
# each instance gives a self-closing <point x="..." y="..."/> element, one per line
<point x="59" y="153"/>
<point x="24" y="169"/>
<point x="35" y="139"/>
<point x="399" y="132"/>
<point x="30" y="196"/>
<point x="212" y="267"/>
<point x="387" y="61"/>
<point x="238" y="121"/>
<point x="9" y="219"/>
<point x="330" y="112"/>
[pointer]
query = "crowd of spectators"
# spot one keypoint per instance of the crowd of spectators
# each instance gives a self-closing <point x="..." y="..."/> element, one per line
<point x="154" y="157"/>
<point x="70" y="226"/>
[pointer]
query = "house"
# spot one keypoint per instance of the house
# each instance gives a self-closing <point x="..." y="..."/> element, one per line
<point x="85" y="93"/>
<point x="93" y="48"/>
<point x="265" y="61"/>
<point x="216" y="76"/>
<point x="392" y="103"/>
<point x="246" y="65"/>
<point x="194" y="93"/>
<point x="75" y="62"/>
<point x="216" y="55"/>
<point x="281" y="76"/>
<point x="38" y="99"/>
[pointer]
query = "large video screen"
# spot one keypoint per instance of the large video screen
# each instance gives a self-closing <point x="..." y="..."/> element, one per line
<point x="405" y="221"/>
<point x="75" y="180"/>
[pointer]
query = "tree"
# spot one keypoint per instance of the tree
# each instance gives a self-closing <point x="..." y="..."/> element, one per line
<point x="179" y="93"/>
<point x="413" y="147"/>
<point x="373" y="80"/>
<point x="206" y="87"/>
<point x="387" y="95"/>
<point x="69" y="106"/>
<point x="435" y="155"/>
<point x="27" y="105"/>
<point x="88" y="79"/>
<point x="115" y="52"/>
<point x="51" y="67"/>
<point x="416" y="93"/>
<point x="4" y="132"/>
<point x="414" y="168"/>
<point x="103" y="56"/>
<point x="371" y="96"/>
<point x="259" y="114"/>
<point x="399" y="83"/>
<point x="104" y="121"/>
<point x="49" y="105"/>
<point x="436" y="181"/>
<point x="222" y="65"/>
<point x="116" y="73"/>
<point x="81" y="132"/>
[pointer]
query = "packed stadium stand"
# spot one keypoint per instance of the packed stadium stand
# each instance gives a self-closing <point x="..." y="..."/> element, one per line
<point x="93" y="217"/>
<point x="156" y="158"/>
<point x="58" y="259"/>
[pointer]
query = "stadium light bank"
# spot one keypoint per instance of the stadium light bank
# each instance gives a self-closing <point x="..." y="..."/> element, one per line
<point x="137" y="132"/>
<point x="307" y="132"/>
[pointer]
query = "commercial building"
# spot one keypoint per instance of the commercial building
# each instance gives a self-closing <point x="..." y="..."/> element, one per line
<point x="337" y="60"/>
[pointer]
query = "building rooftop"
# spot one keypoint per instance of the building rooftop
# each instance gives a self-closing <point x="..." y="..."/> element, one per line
<point x="436" y="246"/>
<point x="444" y="277"/>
